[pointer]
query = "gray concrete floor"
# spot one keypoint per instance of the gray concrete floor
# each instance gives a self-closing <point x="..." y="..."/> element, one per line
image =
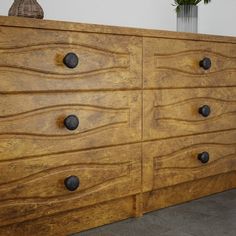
<point x="209" y="216"/>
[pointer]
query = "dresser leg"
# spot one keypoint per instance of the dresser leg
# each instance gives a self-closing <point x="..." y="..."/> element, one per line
<point x="138" y="205"/>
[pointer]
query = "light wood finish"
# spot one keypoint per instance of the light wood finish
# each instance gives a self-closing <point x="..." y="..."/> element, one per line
<point x="75" y="220"/>
<point x="37" y="124"/>
<point x="136" y="94"/>
<point x="185" y="192"/>
<point x="172" y="113"/>
<point x="167" y="66"/>
<point x="103" y="175"/>
<point x="104" y="29"/>
<point x="170" y="162"/>
<point x="36" y="62"/>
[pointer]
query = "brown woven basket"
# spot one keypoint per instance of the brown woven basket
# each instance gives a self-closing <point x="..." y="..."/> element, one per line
<point x="26" y="8"/>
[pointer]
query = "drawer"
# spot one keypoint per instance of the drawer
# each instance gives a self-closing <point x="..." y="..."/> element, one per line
<point x="33" y="124"/>
<point x="174" y="161"/>
<point x="171" y="63"/>
<point x="170" y="113"/>
<point x="188" y="191"/>
<point x="77" y="220"/>
<point x="34" y="187"/>
<point x="33" y="60"/>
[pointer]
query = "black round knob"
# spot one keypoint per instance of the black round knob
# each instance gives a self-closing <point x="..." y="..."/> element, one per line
<point x="72" y="183"/>
<point x="205" y="111"/>
<point x="71" y="60"/>
<point x="204" y="157"/>
<point x="71" y="122"/>
<point x="205" y="63"/>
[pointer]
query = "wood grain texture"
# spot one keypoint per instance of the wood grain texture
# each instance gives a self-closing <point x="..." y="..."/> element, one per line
<point x="32" y="60"/>
<point x="104" y="29"/>
<point x="170" y="113"/>
<point x="34" y="188"/>
<point x="137" y="94"/>
<point x="185" y="192"/>
<point x="174" y="161"/>
<point x="32" y="124"/>
<point x="76" y="220"/>
<point x="178" y="66"/>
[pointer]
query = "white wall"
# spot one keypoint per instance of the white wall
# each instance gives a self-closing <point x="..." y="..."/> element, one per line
<point x="219" y="17"/>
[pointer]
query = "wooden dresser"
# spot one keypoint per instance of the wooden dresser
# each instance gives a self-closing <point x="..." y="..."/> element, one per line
<point x="99" y="123"/>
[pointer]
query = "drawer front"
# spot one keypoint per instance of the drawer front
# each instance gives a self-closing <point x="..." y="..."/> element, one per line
<point x="33" y="124"/>
<point x="34" y="187"/>
<point x="170" y="113"/>
<point x="33" y="60"/>
<point x="77" y="220"/>
<point x="174" y="161"/>
<point x="170" y="63"/>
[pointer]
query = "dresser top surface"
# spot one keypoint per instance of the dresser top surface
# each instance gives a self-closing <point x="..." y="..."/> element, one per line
<point x="105" y="29"/>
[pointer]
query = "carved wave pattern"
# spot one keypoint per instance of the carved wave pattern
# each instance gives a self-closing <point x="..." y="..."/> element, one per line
<point x="221" y="109"/>
<point x="48" y="60"/>
<point x="99" y="173"/>
<point x="47" y="122"/>
<point x="187" y="62"/>
<point x="183" y="165"/>
<point x="44" y="193"/>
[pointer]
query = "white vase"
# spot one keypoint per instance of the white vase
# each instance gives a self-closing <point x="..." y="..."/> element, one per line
<point x="187" y="18"/>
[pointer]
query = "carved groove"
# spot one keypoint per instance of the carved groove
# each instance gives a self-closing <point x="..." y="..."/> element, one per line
<point x="215" y="118"/>
<point x="185" y="149"/>
<point x="205" y="75"/>
<point x="186" y="101"/>
<point x="66" y="167"/>
<point x="38" y="113"/>
<point x="187" y="52"/>
<point x="198" y="168"/>
<point x="174" y="70"/>
<point x="70" y="46"/>
<point x="55" y="200"/>
<point x="61" y="76"/>
<point x="48" y="49"/>
<point x="70" y="136"/>
<point x="65" y="197"/>
<point x="63" y="106"/>
<point x="68" y="75"/>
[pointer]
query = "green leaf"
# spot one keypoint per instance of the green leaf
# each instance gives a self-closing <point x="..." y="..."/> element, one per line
<point x="178" y="3"/>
